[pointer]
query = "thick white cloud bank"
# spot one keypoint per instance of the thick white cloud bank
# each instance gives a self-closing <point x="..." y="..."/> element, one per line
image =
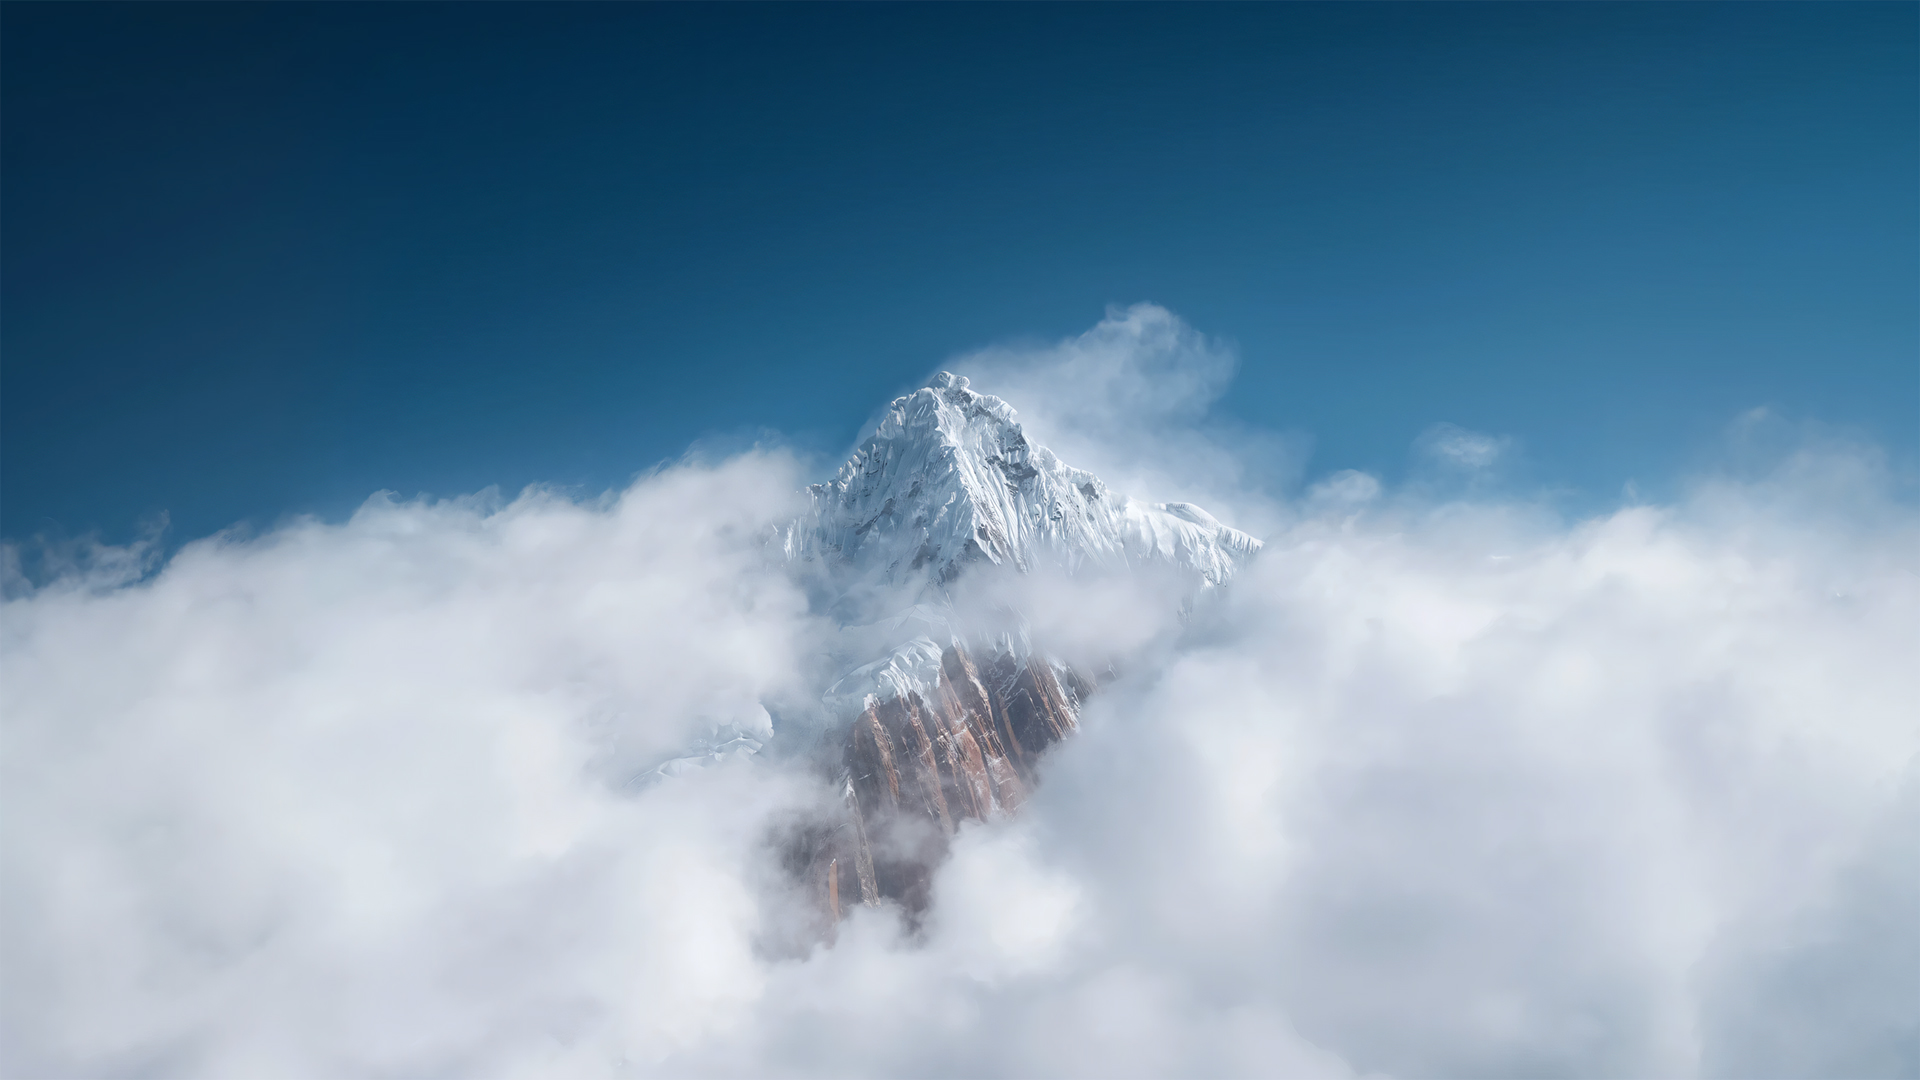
<point x="1435" y="789"/>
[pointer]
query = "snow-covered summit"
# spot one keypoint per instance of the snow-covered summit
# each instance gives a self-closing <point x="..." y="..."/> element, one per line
<point x="937" y="701"/>
<point x="949" y="485"/>
<point x="949" y="480"/>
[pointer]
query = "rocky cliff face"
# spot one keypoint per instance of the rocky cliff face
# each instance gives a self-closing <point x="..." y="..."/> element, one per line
<point x="935" y="725"/>
<point x="917" y="765"/>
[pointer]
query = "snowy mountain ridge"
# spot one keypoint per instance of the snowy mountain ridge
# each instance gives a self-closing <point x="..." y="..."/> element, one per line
<point x="949" y="482"/>
<point x="949" y="479"/>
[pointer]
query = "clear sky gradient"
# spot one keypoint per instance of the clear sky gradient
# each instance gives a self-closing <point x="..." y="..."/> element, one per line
<point x="263" y="260"/>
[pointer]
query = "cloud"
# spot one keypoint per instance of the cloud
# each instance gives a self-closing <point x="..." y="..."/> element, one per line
<point x="1454" y="447"/>
<point x="1434" y="788"/>
<point x="1130" y="400"/>
<point x="1487" y="815"/>
<point x="350" y="799"/>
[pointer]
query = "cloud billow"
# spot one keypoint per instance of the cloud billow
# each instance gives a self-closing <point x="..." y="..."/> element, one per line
<point x="1433" y="789"/>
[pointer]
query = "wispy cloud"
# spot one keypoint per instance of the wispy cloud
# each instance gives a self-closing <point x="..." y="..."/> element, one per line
<point x="1130" y="400"/>
<point x="1454" y="447"/>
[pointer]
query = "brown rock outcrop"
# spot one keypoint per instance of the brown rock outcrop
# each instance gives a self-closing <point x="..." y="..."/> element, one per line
<point x="919" y="766"/>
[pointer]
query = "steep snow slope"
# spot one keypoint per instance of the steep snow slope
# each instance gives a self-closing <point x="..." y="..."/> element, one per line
<point x="949" y="480"/>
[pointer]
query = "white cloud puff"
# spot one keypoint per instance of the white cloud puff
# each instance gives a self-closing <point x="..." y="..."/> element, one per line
<point x="347" y="799"/>
<point x="1434" y="788"/>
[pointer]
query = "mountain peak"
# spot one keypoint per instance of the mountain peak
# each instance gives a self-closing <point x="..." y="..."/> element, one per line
<point x="930" y="723"/>
<point x="949" y="479"/>
<point x="946" y="411"/>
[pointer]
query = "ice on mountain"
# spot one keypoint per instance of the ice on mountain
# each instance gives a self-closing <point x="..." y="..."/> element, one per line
<point x="739" y="746"/>
<point x="1189" y="512"/>
<point x="912" y="667"/>
<point x="949" y="479"/>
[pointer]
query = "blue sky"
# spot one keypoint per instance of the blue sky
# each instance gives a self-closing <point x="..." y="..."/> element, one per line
<point x="266" y="260"/>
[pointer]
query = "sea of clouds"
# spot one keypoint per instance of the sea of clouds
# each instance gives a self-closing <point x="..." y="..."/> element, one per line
<point x="1445" y="784"/>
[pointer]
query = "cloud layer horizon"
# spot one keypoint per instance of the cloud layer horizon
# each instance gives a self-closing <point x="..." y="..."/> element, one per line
<point x="1442" y="785"/>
